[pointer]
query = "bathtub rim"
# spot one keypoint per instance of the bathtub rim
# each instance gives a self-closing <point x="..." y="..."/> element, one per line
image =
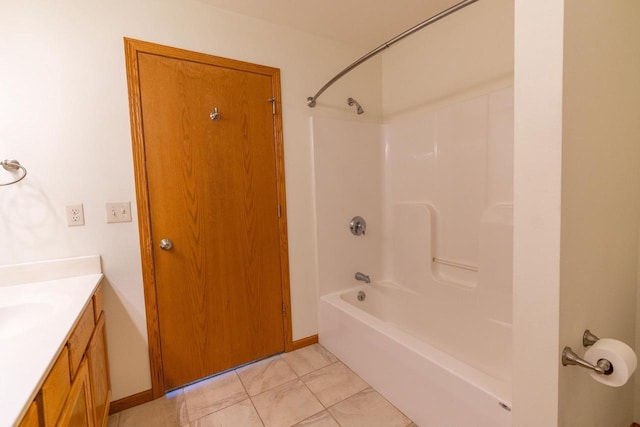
<point x="494" y="387"/>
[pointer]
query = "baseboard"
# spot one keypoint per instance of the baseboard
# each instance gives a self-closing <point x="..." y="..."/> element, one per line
<point x="130" y="401"/>
<point x="298" y="344"/>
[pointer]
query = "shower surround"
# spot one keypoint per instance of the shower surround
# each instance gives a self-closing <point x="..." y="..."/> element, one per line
<point x="435" y="186"/>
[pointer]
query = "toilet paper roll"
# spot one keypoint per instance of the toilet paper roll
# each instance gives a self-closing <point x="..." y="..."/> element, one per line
<point x="621" y="356"/>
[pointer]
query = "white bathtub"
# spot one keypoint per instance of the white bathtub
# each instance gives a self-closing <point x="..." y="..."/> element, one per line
<point x="441" y="368"/>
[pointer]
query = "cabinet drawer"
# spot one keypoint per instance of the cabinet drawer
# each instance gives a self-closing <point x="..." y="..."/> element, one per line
<point x="80" y="338"/>
<point x="55" y="389"/>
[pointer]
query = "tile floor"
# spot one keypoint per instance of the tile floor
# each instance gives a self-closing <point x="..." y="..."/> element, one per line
<point x="309" y="387"/>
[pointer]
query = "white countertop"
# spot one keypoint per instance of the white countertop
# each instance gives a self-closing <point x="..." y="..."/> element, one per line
<point x="36" y="320"/>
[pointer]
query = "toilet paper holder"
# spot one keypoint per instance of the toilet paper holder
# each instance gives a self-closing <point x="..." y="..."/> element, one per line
<point x="569" y="357"/>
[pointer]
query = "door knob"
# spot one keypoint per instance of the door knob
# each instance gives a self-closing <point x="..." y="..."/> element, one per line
<point x="166" y="244"/>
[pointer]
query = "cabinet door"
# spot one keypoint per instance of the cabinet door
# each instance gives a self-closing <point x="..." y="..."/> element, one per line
<point x="99" y="373"/>
<point x="78" y="410"/>
<point x="79" y="338"/>
<point x="55" y="389"/>
<point x="30" y="419"/>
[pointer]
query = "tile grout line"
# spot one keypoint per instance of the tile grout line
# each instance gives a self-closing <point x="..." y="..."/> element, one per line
<point x="326" y="408"/>
<point x="297" y="379"/>
<point x="250" y="398"/>
<point x="242" y="382"/>
<point x="315" y="370"/>
<point x="256" y="411"/>
<point x="186" y="407"/>
<point x="369" y="386"/>
<point x="394" y="406"/>
<point x="223" y="407"/>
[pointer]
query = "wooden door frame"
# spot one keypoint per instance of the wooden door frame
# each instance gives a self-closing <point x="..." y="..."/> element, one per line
<point x="132" y="49"/>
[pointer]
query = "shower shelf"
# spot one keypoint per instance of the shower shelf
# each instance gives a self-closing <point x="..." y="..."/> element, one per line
<point x="456" y="264"/>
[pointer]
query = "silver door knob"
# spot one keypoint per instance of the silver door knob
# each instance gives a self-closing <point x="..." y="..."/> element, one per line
<point x="166" y="244"/>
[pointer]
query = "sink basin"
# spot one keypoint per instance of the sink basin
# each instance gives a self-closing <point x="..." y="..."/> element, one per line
<point x="20" y="318"/>
<point x="21" y="314"/>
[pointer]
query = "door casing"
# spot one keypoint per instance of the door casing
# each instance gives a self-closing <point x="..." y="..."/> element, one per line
<point x="132" y="49"/>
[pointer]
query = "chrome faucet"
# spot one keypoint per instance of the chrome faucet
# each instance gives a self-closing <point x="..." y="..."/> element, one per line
<point x="363" y="277"/>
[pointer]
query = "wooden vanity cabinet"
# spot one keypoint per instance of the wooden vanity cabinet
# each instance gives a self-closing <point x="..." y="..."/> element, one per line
<point x="99" y="373"/>
<point x="31" y="418"/>
<point x="77" y="390"/>
<point x="55" y="389"/>
<point x="79" y="338"/>
<point x="78" y="409"/>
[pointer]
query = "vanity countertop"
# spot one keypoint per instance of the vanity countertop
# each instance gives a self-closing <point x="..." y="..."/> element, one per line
<point x="36" y="319"/>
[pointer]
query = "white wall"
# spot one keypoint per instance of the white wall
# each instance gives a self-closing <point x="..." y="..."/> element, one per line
<point x="537" y="183"/>
<point x="64" y="115"/>
<point x="348" y="165"/>
<point x="600" y="197"/>
<point x="577" y="185"/>
<point x="467" y="49"/>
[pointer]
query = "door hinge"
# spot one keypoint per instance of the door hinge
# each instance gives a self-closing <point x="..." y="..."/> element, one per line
<point x="279" y="211"/>
<point x="284" y="309"/>
<point x="273" y="105"/>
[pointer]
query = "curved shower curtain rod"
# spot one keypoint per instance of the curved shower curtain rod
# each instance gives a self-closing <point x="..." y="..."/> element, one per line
<point x="311" y="101"/>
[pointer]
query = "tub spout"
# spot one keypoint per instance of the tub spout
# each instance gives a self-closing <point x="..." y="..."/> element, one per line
<point x="363" y="277"/>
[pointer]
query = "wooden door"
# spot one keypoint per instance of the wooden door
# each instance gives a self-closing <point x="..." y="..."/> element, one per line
<point x="213" y="190"/>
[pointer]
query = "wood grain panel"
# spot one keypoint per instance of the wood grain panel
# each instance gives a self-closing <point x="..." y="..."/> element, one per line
<point x="55" y="389"/>
<point x="132" y="47"/>
<point x="239" y="175"/>
<point x="31" y="418"/>
<point x="78" y="410"/>
<point x="282" y="223"/>
<point x="98" y="303"/>
<point x="79" y="338"/>
<point x="98" y="365"/>
<point x="219" y="289"/>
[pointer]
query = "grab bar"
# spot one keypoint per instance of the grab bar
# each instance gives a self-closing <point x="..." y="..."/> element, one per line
<point x="456" y="264"/>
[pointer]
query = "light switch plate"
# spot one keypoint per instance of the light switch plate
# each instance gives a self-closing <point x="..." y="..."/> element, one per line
<point x="118" y="212"/>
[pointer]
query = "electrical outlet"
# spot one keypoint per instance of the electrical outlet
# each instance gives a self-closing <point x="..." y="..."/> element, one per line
<point x="118" y="212"/>
<point x="75" y="215"/>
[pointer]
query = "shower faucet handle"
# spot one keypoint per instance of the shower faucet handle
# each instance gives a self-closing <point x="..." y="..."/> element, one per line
<point x="357" y="225"/>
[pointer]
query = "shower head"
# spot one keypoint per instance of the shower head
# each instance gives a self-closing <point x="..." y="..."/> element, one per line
<point x="353" y="102"/>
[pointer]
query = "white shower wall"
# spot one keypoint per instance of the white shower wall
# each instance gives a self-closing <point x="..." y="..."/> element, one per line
<point x="433" y="181"/>
<point x="449" y="185"/>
